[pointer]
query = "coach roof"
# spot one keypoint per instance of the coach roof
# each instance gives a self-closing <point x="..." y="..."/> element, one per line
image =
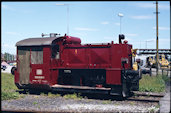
<point x="36" y="41"/>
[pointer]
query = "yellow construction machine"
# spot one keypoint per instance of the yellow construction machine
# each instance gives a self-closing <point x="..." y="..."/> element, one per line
<point x="163" y="62"/>
<point x="138" y="63"/>
<point x="135" y="64"/>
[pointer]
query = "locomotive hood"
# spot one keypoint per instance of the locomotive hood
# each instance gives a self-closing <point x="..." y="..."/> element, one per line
<point x="74" y="40"/>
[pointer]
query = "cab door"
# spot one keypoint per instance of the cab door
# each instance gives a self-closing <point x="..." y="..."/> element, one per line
<point x="55" y="62"/>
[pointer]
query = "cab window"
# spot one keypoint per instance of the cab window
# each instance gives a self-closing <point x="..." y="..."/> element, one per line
<point x="55" y="51"/>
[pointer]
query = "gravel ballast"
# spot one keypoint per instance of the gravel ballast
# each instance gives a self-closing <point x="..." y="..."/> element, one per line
<point x="40" y="103"/>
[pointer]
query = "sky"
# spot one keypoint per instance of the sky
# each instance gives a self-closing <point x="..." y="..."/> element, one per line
<point x="92" y="22"/>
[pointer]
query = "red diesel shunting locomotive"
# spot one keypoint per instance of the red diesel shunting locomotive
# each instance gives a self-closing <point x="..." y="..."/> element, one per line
<point x="62" y="63"/>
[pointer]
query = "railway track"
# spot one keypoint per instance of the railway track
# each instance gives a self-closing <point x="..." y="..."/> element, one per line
<point x="140" y="99"/>
<point x="146" y="96"/>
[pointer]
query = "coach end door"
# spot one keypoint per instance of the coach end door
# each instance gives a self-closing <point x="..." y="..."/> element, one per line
<point x="24" y="65"/>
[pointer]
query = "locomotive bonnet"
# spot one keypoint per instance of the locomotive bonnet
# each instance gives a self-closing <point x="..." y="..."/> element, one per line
<point x="62" y="63"/>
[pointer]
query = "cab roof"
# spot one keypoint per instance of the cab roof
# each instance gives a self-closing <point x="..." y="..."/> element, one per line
<point x="36" y="41"/>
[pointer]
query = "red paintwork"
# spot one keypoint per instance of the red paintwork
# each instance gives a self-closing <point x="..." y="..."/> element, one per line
<point x="16" y="77"/>
<point x="73" y="55"/>
<point x="113" y="76"/>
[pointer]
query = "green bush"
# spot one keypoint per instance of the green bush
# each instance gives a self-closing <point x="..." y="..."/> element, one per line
<point x="8" y="88"/>
<point x="152" y="83"/>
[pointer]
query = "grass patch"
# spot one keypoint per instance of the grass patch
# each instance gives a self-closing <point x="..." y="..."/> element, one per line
<point x="8" y="88"/>
<point x="49" y="94"/>
<point x="106" y="102"/>
<point x="153" y="83"/>
<point x="53" y="95"/>
<point x="73" y="96"/>
<point x="166" y="78"/>
<point x="132" y="103"/>
<point x="35" y="103"/>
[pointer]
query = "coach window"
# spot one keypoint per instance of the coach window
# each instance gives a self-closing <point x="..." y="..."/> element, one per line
<point x="55" y="51"/>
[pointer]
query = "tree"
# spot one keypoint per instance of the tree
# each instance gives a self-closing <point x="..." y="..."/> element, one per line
<point x="8" y="57"/>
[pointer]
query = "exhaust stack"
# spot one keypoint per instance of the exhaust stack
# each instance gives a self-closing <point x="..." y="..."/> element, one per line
<point x="121" y="37"/>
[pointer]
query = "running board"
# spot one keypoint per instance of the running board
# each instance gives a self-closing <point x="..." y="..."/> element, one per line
<point x="81" y="89"/>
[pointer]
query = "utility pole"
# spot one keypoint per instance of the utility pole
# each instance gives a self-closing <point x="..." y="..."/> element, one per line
<point x="67" y="16"/>
<point x="157" y="53"/>
<point x="120" y="15"/>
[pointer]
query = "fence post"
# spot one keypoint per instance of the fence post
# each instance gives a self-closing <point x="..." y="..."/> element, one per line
<point x="150" y="71"/>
